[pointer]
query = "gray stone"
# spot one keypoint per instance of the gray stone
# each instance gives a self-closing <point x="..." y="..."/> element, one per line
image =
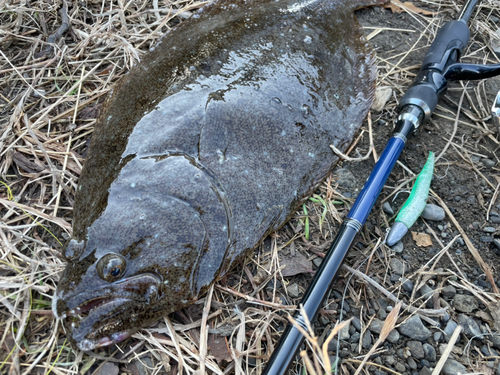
<point x="407" y="285"/>
<point x="293" y="290"/>
<point x="450" y="327"/>
<point x="367" y="341"/>
<point x="376" y="326"/>
<point x="433" y="212"/>
<point x="438" y="336"/>
<point x="397" y="266"/>
<point x="486" y="239"/>
<point x="426" y="291"/>
<point x="488" y="163"/>
<point x="381" y="314"/>
<point x="356" y="323"/>
<point x="393" y="336"/>
<point x="470" y="327"/>
<point x="387" y="208"/>
<point x="107" y="369"/>
<point x="344" y="332"/>
<point x="464" y="303"/>
<point x="489" y="229"/>
<point x="411" y="362"/>
<point x="354" y="337"/>
<point x="429" y="352"/>
<point x="496" y="242"/>
<point x="400" y="367"/>
<point x="398" y="247"/>
<point x="425" y="371"/>
<point x="449" y="291"/>
<point x="415" y="329"/>
<point x="390" y="360"/>
<point x="452" y="367"/>
<point x="416" y="349"/>
<point x="495" y="340"/>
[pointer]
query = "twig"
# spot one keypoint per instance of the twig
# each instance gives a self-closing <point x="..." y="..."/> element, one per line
<point x="54" y="38"/>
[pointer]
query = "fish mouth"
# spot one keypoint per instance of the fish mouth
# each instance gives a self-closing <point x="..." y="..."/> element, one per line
<point x="109" y="314"/>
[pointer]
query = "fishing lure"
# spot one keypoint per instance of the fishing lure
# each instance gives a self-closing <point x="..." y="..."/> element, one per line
<point x="415" y="203"/>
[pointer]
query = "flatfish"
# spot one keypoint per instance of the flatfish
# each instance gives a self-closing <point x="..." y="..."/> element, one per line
<point x="208" y="145"/>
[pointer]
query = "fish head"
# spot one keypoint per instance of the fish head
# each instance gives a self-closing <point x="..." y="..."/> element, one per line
<point x="134" y="266"/>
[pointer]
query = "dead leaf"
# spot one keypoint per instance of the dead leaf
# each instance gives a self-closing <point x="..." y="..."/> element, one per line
<point x="218" y="348"/>
<point x="397" y="7"/>
<point x="422" y="239"/>
<point x="295" y="265"/>
<point x="483" y="315"/>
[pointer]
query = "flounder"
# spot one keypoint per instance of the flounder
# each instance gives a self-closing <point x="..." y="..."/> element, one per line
<point x="204" y="148"/>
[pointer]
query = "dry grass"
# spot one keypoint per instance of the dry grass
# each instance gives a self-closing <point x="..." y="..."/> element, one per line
<point x="50" y="95"/>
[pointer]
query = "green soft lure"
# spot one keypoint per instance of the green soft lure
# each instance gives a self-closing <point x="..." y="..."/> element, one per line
<point x="415" y="203"/>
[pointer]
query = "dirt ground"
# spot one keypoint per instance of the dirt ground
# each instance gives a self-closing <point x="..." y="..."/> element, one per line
<point x="47" y="113"/>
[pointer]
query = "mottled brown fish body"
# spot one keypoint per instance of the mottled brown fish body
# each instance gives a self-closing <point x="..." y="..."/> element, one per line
<point x="207" y="146"/>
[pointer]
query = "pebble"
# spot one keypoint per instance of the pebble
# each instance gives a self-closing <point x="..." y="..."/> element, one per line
<point x="415" y="329"/>
<point x="400" y="367"/>
<point x="448" y="330"/>
<point x="344" y="332"/>
<point x="398" y="247"/>
<point x="411" y="362"/>
<point x="464" y="303"/>
<point x="486" y="239"/>
<point x="429" y="352"/>
<point x="425" y="371"/>
<point x="489" y="229"/>
<point x="488" y="163"/>
<point x="317" y="261"/>
<point x="438" y="336"/>
<point x="495" y="339"/>
<point x="460" y="241"/>
<point x="376" y="326"/>
<point x="470" y="327"/>
<point x="393" y="336"/>
<point x="397" y="266"/>
<point x="452" y="367"/>
<point x="367" y="341"/>
<point x="471" y="199"/>
<point x="416" y="349"/>
<point x="433" y="212"/>
<point x="356" y="323"/>
<point x="293" y="290"/>
<point x="426" y="292"/>
<point x="390" y="360"/>
<point x="355" y="337"/>
<point x="449" y="292"/>
<point x="407" y="285"/>
<point x="107" y="369"/>
<point x="496" y="242"/>
<point x="381" y="314"/>
<point x="387" y="208"/>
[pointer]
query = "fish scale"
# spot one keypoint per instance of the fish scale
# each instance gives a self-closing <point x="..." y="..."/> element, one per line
<point x="208" y="145"/>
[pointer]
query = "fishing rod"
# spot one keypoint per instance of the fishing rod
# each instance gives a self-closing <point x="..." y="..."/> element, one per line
<point x="441" y="64"/>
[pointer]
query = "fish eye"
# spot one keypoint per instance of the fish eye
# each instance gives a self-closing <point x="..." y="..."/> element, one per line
<point x="111" y="267"/>
<point x="73" y="249"/>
